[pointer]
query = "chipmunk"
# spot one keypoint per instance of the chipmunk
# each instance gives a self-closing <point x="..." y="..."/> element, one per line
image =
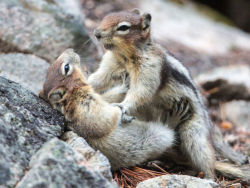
<point x="157" y="82"/>
<point x="91" y="117"/>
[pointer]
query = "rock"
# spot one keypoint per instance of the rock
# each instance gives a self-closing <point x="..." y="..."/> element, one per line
<point x="187" y="25"/>
<point x="26" y="123"/>
<point x="233" y="74"/>
<point x="57" y="165"/>
<point x="173" y="181"/>
<point x="70" y="9"/>
<point x="226" y="83"/>
<point x="44" y="28"/>
<point x="28" y="70"/>
<point x="94" y="159"/>
<point x="237" y="112"/>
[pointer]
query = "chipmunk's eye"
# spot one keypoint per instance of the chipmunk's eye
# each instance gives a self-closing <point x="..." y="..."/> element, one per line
<point x="123" y="28"/>
<point x="66" y="68"/>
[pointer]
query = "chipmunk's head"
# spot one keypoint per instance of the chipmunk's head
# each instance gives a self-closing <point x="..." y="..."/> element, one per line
<point x="120" y="29"/>
<point x="62" y="77"/>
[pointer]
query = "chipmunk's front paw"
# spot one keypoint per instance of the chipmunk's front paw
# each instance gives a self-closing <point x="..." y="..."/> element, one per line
<point x="125" y="118"/>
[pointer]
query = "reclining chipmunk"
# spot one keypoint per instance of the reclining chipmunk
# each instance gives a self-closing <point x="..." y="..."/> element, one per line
<point x="91" y="117"/>
<point x="157" y="81"/>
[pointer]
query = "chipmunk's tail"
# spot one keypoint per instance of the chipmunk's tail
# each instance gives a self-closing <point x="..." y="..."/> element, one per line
<point x="223" y="149"/>
<point x="232" y="171"/>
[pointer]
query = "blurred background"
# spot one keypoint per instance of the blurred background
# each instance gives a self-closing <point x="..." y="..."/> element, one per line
<point x="210" y="37"/>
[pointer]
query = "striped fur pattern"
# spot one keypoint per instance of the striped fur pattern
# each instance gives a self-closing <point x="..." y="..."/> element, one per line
<point x="157" y="82"/>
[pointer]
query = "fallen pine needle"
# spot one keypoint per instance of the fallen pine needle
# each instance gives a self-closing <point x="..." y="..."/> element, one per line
<point x="130" y="178"/>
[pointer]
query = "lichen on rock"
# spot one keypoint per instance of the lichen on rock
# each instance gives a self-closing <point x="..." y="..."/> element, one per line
<point x="26" y="123"/>
<point x="57" y="165"/>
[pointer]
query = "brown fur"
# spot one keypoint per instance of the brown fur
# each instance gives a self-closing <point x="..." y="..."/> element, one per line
<point x="73" y="90"/>
<point x="113" y="19"/>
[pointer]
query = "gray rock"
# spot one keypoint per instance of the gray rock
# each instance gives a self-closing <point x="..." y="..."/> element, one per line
<point x="237" y="112"/>
<point x="71" y="8"/>
<point x="26" y="123"/>
<point x="95" y="159"/>
<point x="226" y="83"/>
<point x="28" y="70"/>
<point x="233" y="74"/>
<point x="174" y="181"/>
<point x="57" y="165"/>
<point x="67" y="9"/>
<point x="43" y="28"/>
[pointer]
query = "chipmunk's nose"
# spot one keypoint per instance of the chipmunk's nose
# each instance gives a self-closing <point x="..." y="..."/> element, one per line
<point x="97" y="34"/>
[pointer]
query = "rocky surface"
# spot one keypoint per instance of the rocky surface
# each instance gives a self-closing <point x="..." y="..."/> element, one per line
<point x="32" y="155"/>
<point x="26" y="123"/>
<point x="57" y="165"/>
<point x="233" y="74"/>
<point x="226" y="83"/>
<point x="44" y="28"/>
<point x="27" y="70"/>
<point x="94" y="159"/>
<point x="173" y="181"/>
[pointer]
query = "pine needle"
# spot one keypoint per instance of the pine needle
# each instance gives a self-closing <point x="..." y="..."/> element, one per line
<point x="130" y="178"/>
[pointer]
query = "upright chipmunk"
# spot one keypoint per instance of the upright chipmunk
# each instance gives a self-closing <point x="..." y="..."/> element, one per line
<point x="157" y="82"/>
<point x="99" y="122"/>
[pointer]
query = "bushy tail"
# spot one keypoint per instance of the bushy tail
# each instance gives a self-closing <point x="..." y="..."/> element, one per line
<point x="232" y="171"/>
<point x="224" y="149"/>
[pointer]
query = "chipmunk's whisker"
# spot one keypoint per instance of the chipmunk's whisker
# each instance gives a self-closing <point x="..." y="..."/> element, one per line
<point x="86" y="42"/>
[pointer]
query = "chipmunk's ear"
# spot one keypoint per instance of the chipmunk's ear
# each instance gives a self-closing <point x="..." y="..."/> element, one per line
<point x="56" y="95"/>
<point x="136" y="11"/>
<point x="146" y="21"/>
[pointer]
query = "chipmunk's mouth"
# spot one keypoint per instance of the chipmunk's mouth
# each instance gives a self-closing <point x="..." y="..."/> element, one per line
<point x="107" y="43"/>
<point x="108" y="46"/>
